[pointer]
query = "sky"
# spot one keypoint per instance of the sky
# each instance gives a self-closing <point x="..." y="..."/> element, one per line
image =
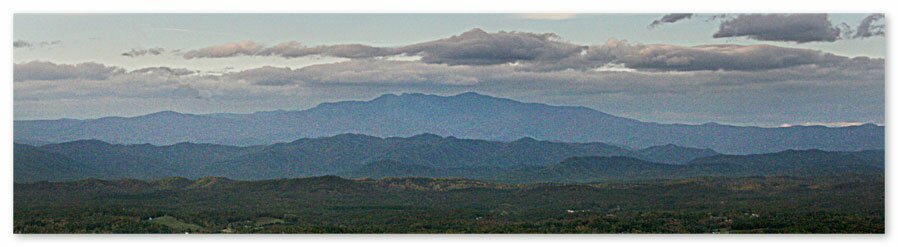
<point x="740" y="69"/>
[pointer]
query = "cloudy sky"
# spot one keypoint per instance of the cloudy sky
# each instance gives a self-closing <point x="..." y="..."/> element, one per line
<point x="742" y="69"/>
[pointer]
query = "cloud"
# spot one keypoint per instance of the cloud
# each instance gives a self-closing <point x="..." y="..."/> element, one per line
<point x="737" y="95"/>
<point x="293" y="49"/>
<point x="43" y="81"/>
<point x="367" y="74"/>
<point x="746" y="83"/>
<point x="21" y="43"/>
<point x="548" y="52"/>
<point x="39" y="70"/>
<point x="709" y="57"/>
<point x="670" y="18"/>
<point x="474" y="47"/>
<point x="25" y="44"/>
<point x="869" y="27"/>
<point x="136" y="52"/>
<point x="477" y="47"/>
<point x="164" y="71"/>
<point x="799" y="28"/>
<point x="247" y="48"/>
<point x="623" y="55"/>
<point x="385" y="72"/>
<point x="271" y="76"/>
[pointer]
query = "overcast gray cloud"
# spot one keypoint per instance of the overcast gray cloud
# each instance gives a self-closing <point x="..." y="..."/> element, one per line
<point x="799" y="28"/>
<point x="870" y="27"/>
<point x="670" y="18"/>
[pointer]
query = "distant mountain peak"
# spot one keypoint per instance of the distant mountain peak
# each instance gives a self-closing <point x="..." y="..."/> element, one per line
<point x="423" y="95"/>
<point x="165" y="113"/>
<point x="385" y="96"/>
<point x="91" y="142"/>
<point x="471" y="94"/>
<point x="526" y="139"/>
<point x="426" y="136"/>
<point x="353" y="136"/>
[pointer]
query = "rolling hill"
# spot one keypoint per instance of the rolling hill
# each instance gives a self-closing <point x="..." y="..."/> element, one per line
<point x="427" y="155"/>
<point x="806" y="163"/>
<point x="304" y="157"/>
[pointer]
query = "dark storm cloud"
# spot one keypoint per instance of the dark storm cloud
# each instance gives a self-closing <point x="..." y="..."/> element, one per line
<point x="670" y="18"/>
<point x="869" y="27"/>
<point x="799" y="28"/>
<point x="136" y="52"/>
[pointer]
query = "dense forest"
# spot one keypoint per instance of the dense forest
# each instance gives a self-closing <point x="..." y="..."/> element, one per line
<point x="330" y="204"/>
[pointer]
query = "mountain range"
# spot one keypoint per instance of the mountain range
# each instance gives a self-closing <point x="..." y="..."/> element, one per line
<point x="425" y="155"/>
<point x="467" y="115"/>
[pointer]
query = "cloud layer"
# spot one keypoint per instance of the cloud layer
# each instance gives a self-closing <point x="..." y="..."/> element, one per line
<point x="670" y="18"/>
<point x="547" y="52"/>
<point x="25" y="44"/>
<point x="41" y="71"/>
<point x="472" y="47"/>
<point x="225" y="50"/>
<point x="136" y="52"/>
<point x="655" y="82"/>
<point x="800" y="28"/>
<point x="870" y="27"/>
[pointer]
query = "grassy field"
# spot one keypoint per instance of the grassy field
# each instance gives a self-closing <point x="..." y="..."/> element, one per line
<point x="175" y="224"/>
